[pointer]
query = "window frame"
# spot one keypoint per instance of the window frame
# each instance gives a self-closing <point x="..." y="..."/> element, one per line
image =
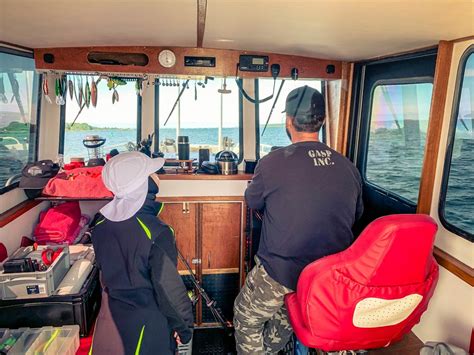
<point x="450" y="146"/>
<point x="322" y="131"/>
<point x="62" y="116"/>
<point x="364" y="148"/>
<point x="156" y="120"/>
<point x="34" y="129"/>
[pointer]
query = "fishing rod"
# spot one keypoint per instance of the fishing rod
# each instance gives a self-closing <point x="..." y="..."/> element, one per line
<point x="273" y="106"/>
<point x="212" y="304"/>
<point x="16" y="95"/>
<point x="177" y="100"/>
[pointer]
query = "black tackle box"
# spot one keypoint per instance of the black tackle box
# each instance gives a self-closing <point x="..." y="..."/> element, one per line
<point x="56" y="310"/>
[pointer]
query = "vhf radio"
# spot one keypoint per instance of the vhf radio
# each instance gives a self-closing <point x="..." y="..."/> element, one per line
<point x="254" y="63"/>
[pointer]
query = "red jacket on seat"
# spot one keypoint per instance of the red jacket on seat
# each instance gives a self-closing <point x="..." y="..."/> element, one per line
<point x="371" y="294"/>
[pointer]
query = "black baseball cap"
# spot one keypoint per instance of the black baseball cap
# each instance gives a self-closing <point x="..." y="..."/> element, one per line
<point x="36" y="175"/>
<point x="305" y="101"/>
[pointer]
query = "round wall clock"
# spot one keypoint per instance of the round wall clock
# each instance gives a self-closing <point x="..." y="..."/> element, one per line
<point x="167" y="58"/>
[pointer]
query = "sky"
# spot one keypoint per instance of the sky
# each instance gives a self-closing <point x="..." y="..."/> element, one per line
<point x="391" y="101"/>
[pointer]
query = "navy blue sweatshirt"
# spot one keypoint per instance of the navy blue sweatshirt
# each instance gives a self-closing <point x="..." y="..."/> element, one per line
<point x="311" y="196"/>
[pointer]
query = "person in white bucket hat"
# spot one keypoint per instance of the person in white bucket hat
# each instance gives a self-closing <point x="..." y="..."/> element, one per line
<point x="145" y="307"/>
<point x="126" y="175"/>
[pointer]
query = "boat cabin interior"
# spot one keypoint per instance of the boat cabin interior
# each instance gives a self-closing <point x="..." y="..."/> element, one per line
<point x="203" y="84"/>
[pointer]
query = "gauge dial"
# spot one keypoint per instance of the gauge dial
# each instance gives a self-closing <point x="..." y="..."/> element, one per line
<point x="167" y="58"/>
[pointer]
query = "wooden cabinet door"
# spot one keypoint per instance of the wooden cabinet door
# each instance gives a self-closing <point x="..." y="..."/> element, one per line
<point x="221" y="229"/>
<point x="181" y="216"/>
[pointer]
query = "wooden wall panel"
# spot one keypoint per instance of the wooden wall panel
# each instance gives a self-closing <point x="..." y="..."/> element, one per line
<point x="454" y="266"/>
<point x="221" y="235"/>
<point x="435" y="125"/>
<point x="201" y="21"/>
<point x="344" y="108"/>
<point x="433" y="141"/>
<point x="17" y="211"/>
<point x="75" y="59"/>
<point x="183" y="221"/>
<point x="331" y="96"/>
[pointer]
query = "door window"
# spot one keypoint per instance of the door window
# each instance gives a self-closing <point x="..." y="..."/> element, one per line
<point x="398" y="125"/>
<point x="19" y="85"/>
<point x="457" y="197"/>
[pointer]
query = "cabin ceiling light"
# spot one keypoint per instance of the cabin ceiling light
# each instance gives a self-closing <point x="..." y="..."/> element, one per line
<point x="225" y="40"/>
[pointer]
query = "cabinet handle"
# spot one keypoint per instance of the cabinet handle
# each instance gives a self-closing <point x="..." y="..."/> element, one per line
<point x="209" y="260"/>
<point x="186" y="208"/>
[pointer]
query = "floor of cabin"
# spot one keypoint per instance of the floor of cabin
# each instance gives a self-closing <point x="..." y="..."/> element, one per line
<point x="213" y="343"/>
<point x="409" y="345"/>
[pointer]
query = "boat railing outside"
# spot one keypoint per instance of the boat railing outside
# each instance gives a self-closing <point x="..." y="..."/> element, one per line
<point x="17" y="145"/>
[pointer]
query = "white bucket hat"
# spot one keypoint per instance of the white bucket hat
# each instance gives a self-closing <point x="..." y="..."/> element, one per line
<point x="126" y="175"/>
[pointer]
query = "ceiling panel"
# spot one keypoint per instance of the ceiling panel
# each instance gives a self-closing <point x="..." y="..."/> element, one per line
<point x="68" y="23"/>
<point x="336" y="29"/>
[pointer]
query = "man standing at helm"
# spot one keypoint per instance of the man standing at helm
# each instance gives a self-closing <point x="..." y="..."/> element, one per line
<point x="311" y="196"/>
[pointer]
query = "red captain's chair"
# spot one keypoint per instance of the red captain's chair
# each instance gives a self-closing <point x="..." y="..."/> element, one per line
<point x="371" y="294"/>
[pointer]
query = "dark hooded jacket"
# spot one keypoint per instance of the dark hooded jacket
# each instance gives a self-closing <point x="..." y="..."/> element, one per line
<point x="144" y="298"/>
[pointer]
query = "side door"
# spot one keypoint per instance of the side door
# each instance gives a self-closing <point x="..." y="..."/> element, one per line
<point x="390" y="114"/>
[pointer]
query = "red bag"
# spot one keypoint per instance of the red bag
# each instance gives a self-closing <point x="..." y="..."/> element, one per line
<point x="58" y="224"/>
<point x="78" y="183"/>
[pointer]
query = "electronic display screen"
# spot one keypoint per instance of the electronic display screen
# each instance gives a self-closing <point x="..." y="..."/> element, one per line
<point x="258" y="61"/>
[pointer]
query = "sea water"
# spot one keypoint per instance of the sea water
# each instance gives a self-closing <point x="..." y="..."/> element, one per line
<point x="391" y="163"/>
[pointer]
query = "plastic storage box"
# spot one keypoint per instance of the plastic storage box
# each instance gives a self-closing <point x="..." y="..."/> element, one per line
<point x="43" y="341"/>
<point x="56" y="310"/>
<point x="35" y="284"/>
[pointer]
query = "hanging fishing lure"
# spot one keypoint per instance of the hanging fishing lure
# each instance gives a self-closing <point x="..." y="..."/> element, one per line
<point x="71" y="89"/>
<point x="81" y="92"/>
<point x="87" y="93"/>
<point x="115" y="95"/>
<point x="93" y="93"/>
<point x="64" y="89"/>
<point x="45" y="89"/>
<point x="76" y="91"/>
<point x="137" y="88"/>
<point x="57" y="91"/>
<point x="112" y="83"/>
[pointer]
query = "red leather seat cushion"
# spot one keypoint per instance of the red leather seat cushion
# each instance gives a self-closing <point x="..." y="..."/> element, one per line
<point x="392" y="259"/>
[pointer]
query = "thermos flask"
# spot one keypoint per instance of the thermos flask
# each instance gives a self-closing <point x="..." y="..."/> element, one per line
<point x="183" y="147"/>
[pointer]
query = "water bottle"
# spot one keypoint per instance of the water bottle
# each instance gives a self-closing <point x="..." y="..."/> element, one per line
<point x="183" y="147"/>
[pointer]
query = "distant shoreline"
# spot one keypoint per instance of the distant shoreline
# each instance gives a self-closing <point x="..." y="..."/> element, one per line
<point x="88" y="127"/>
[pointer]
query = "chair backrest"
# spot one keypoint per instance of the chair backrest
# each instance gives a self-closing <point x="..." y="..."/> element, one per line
<point x="392" y="250"/>
<point x="372" y="293"/>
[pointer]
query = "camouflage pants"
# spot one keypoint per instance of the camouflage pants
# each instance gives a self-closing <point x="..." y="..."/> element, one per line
<point x="260" y="318"/>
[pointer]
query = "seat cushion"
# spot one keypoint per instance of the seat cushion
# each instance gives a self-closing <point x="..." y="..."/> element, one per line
<point x="338" y="307"/>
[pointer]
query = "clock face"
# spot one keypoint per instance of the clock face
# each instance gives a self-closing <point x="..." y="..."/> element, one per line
<point x="167" y="58"/>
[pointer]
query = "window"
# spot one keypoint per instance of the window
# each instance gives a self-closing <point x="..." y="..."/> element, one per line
<point x="457" y="196"/>
<point x="275" y="134"/>
<point x="115" y="121"/>
<point x="211" y="119"/>
<point x="19" y="86"/>
<point x="398" y="125"/>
